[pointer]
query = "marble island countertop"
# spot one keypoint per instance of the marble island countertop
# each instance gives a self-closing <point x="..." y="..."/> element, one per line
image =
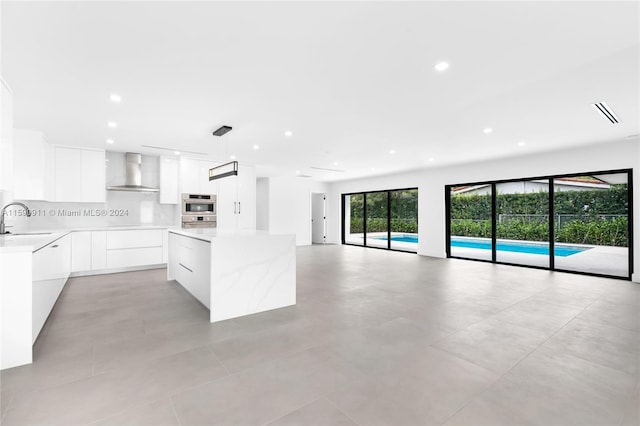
<point x="33" y="240"/>
<point x="210" y="234"/>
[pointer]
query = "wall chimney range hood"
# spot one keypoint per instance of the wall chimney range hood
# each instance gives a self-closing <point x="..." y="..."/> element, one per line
<point x="133" y="176"/>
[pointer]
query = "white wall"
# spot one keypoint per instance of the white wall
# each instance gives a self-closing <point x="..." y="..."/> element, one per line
<point x="290" y="206"/>
<point x="262" y="204"/>
<point x="431" y="183"/>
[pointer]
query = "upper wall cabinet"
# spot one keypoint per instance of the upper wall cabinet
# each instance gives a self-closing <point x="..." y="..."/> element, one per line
<point x="79" y="175"/>
<point x="6" y="139"/>
<point x="194" y="176"/>
<point x="169" y="180"/>
<point x="32" y="166"/>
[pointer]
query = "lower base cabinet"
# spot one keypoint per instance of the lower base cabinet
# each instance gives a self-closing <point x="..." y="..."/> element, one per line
<point x="51" y="268"/>
<point x="101" y="251"/>
<point x="190" y="265"/>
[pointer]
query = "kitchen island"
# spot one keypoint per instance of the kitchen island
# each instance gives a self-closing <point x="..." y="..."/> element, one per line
<point x="234" y="273"/>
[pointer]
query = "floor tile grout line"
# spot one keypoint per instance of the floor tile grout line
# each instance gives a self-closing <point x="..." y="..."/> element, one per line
<point x="175" y="412"/>
<point x="7" y="409"/>
<point x="500" y="376"/>
<point x="339" y="409"/>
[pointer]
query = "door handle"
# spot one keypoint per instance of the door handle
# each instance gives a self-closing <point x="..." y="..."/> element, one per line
<point x="190" y="270"/>
<point x="54" y="246"/>
<point x="238" y="207"/>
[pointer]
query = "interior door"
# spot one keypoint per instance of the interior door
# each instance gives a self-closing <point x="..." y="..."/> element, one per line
<point x="318" y="219"/>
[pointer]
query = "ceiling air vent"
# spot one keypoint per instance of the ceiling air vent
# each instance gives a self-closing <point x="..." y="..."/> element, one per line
<point x="606" y="112"/>
<point x="327" y="170"/>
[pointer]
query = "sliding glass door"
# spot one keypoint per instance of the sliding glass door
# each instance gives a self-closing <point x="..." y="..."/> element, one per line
<point x="470" y="223"/>
<point x="522" y="222"/>
<point x="591" y="223"/>
<point x="381" y="219"/>
<point x="403" y="211"/>
<point x="377" y="219"/>
<point x="575" y="223"/>
<point x="353" y="219"/>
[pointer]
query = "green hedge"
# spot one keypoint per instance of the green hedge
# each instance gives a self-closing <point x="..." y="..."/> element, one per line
<point x="380" y="225"/>
<point x="613" y="232"/>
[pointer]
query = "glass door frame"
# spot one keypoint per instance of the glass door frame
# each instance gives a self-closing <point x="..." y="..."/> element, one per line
<point x="551" y="179"/>
<point x="364" y="225"/>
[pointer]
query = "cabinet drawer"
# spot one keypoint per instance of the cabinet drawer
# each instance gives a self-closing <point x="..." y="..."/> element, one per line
<point x="53" y="261"/>
<point x="124" y="258"/>
<point x="134" y="239"/>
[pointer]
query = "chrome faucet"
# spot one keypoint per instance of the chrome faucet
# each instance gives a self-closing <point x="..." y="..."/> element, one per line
<point x="14" y="203"/>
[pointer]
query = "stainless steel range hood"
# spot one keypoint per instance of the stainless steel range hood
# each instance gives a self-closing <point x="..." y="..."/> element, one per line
<point x="133" y="176"/>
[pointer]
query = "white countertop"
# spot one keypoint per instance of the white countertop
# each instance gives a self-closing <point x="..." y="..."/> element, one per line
<point x="28" y="243"/>
<point x="31" y="241"/>
<point x="209" y="234"/>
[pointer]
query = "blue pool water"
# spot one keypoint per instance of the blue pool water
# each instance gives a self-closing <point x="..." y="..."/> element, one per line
<point x="517" y="247"/>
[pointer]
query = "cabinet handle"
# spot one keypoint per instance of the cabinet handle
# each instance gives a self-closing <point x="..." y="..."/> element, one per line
<point x="234" y="207"/>
<point x="185" y="267"/>
<point x="239" y="207"/>
<point x="54" y="246"/>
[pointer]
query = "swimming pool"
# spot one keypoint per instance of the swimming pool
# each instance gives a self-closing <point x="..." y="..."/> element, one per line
<point x="511" y="246"/>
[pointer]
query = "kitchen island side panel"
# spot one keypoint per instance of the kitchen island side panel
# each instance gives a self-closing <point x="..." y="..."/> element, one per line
<point x="251" y="275"/>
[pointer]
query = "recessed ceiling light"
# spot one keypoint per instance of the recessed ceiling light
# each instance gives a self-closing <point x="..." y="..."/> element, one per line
<point x="112" y="124"/>
<point x="335" y="163"/>
<point x="373" y="169"/>
<point x="297" y="172"/>
<point x="431" y="159"/>
<point x="110" y="141"/>
<point x="521" y="143"/>
<point x="442" y="66"/>
<point x="256" y="147"/>
<point x="288" y="133"/>
<point x="115" y="97"/>
<point x="392" y="151"/>
<point x="487" y="130"/>
<point x="233" y="157"/>
<point x="176" y="152"/>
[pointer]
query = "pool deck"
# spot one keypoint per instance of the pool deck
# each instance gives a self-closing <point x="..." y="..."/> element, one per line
<point x="605" y="260"/>
<point x="372" y="241"/>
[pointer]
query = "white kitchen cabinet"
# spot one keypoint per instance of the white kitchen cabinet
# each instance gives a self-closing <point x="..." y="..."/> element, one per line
<point x="31" y="166"/>
<point x="92" y="176"/>
<point x="236" y="200"/>
<point x="98" y="250"/>
<point x="79" y="175"/>
<point x="190" y="265"/>
<point x="80" y="251"/>
<point x="135" y="238"/>
<point x="127" y="248"/>
<point x="169" y="180"/>
<point x="51" y="268"/>
<point x="194" y="176"/>
<point x="6" y="137"/>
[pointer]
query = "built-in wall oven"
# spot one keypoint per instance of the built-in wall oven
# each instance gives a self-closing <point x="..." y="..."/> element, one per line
<point x="198" y="210"/>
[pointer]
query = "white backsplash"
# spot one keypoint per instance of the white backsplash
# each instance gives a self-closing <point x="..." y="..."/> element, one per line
<point x="122" y="208"/>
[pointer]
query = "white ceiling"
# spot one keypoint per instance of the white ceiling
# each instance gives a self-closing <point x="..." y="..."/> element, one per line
<point x="350" y="80"/>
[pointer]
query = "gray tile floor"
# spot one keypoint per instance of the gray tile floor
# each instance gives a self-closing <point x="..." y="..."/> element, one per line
<point x="377" y="338"/>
